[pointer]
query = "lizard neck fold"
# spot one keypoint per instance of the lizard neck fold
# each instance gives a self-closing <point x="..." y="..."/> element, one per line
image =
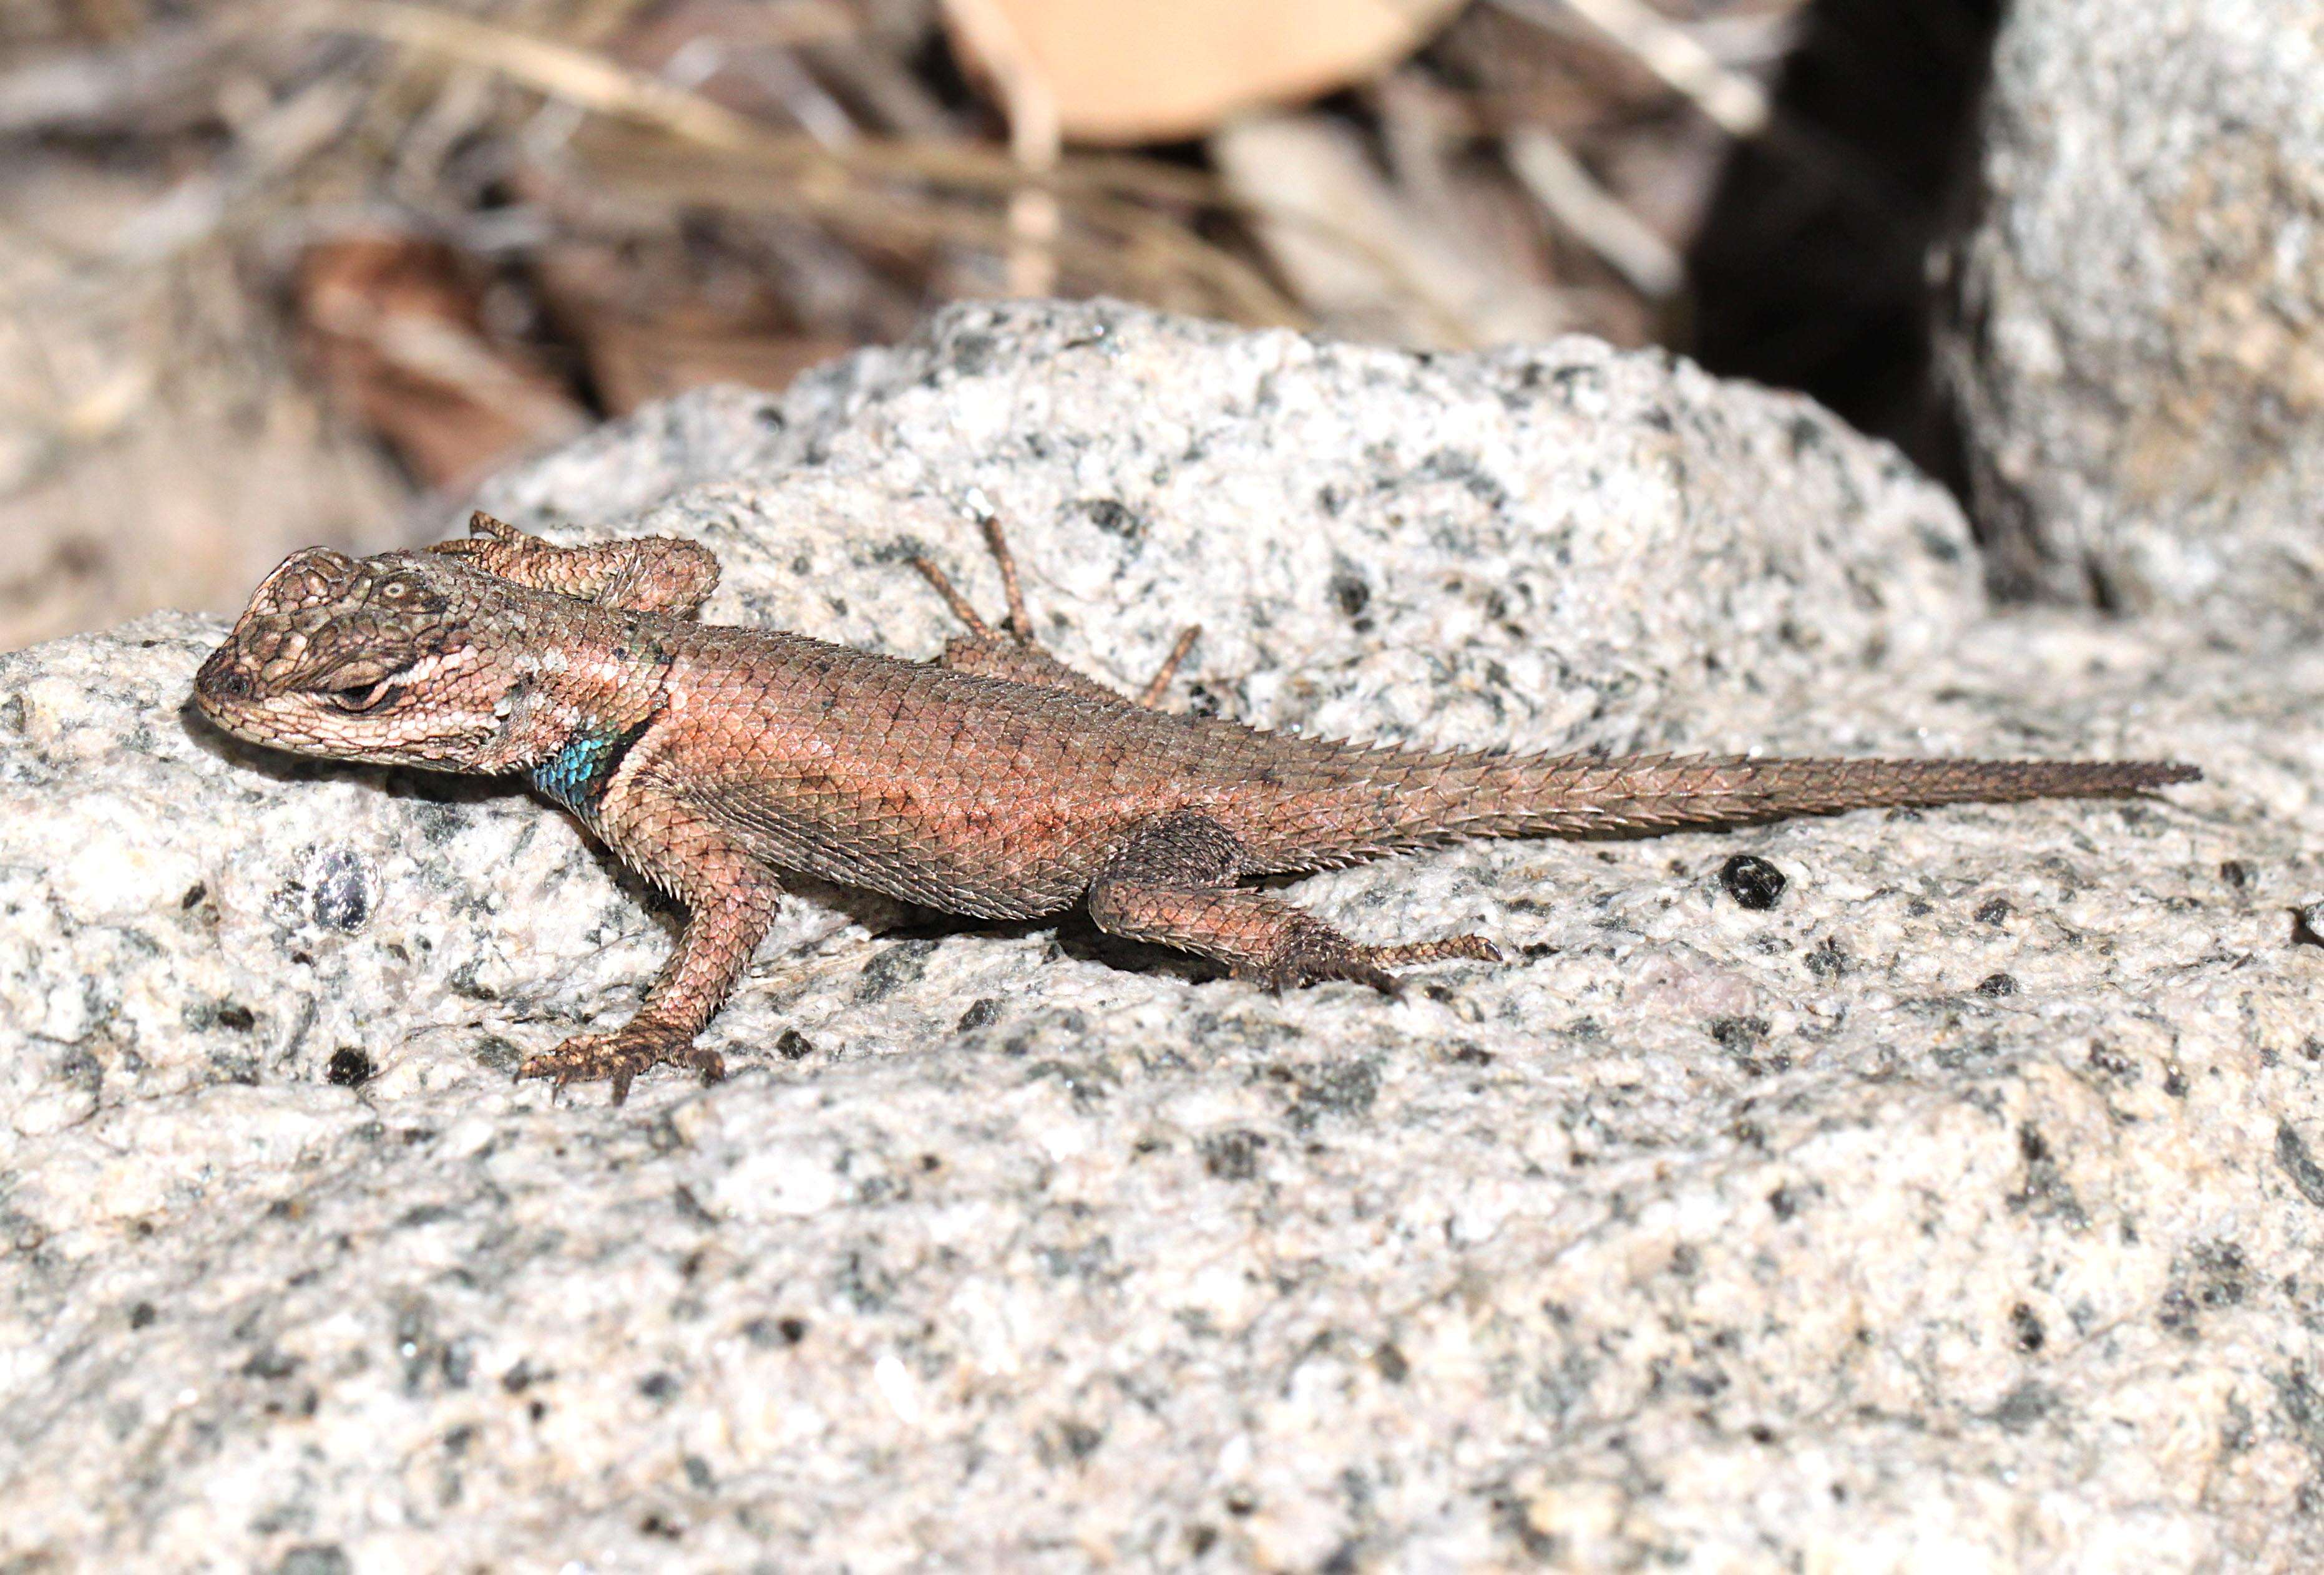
<point x="576" y="775"/>
<point x="595" y="702"/>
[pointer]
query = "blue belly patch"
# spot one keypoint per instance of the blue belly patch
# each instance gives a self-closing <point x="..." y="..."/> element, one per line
<point x="575" y="776"/>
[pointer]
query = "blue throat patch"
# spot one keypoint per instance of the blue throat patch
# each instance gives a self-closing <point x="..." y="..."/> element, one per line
<point x="575" y="776"/>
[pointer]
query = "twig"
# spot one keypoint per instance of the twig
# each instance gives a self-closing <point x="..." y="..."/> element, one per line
<point x="435" y="351"/>
<point x="114" y="88"/>
<point x="1036" y="138"/>
<point x="1594" y="215"/>
<point x="1735" y="103"/>
<point x="1110" y="238"/>
<point x="832" y="182"/>
<point x="590" y="81"/>
<point x="575" y="76"/>
<point x="270" y="146"/>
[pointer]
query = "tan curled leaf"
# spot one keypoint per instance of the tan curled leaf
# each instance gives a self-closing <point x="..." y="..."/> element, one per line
<point x="1153" y="71"/>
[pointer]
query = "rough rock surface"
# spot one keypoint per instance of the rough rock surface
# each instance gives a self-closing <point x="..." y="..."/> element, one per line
<point x="2139" y="349"/>
<point x="1962" y="1208"/>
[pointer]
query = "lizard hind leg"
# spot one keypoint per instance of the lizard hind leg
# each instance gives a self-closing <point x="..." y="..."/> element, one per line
<point x="1173" y="884"/>
<point x="1012" y="651"/>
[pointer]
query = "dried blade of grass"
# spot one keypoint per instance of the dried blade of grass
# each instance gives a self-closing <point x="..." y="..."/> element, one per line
<point x="1117" y="242"/>
<point x="834" y="183"/>
<point x="558" y="70"/>
<point x="590" y="81"/>
<point x="1734" y="102"/>
<point x="154" y="82"/>
<point x="274" y="145"/>
<point x="458" y="107"/>
<point x="1592" y="215"/>
<point x="1344" y="238"/>
<point x="1035" y="137"/>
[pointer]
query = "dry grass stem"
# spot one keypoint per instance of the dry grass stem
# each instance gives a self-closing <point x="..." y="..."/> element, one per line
<point x="1036" y="138"/>
<point x="1592" y="215"/>
<point x="1112" y="244"/>
<point x="1734" y="102"/>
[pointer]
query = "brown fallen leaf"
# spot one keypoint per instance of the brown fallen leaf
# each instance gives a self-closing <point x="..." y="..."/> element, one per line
<point x="1125" y="71"/>
<point x="633" y="363"/>
<point x="393" y="324"/>
<point x="649" y="329"/>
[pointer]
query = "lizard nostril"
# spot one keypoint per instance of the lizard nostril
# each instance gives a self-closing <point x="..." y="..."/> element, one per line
<point x="226" y="685"/>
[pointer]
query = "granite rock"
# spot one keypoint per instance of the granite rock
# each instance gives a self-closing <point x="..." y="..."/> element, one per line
<point x="1960" y="1205"/>
<point x="2138" y="339"/>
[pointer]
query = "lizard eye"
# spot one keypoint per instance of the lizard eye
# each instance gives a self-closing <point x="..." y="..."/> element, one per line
<point x="361" y="698"/>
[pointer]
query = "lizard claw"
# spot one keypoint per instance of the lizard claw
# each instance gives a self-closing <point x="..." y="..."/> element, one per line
<point x="618" y="1058"/>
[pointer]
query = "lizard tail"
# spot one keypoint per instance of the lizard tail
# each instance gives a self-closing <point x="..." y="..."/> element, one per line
<point x="1425" y="799"/>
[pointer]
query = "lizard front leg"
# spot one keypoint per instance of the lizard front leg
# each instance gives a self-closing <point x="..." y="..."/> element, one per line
<point x="731" y="899"/>
<point x="1010" y="653"/>
<point x="1173" y="883"/>
<point x="645" y="573"/>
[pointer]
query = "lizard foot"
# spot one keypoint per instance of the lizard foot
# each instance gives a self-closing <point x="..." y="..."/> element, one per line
<point x="619" y="1056"/>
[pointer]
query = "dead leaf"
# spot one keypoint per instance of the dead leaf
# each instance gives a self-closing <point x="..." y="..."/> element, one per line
<point x="394" y="325"/>
<point x="1156" y="70"/>
<point x="649" y="330"/>
<point x="633" y="363"/>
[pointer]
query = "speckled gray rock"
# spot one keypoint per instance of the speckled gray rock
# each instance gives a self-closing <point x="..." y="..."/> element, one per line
<point x="2139" y="349"/>
<point x="1962" y="1208"/>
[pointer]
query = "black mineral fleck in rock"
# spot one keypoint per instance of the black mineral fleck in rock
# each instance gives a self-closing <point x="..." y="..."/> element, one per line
<point x="1752" y="881"/>
<point x="348" y="1068"/>
<point x="1233" y="1155"/>
<point x="340" y="899"/>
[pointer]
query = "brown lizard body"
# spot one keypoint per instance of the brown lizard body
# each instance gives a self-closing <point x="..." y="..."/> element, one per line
<point x="993" y="781"/>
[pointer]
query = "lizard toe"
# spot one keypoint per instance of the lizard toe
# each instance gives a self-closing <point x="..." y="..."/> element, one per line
<point x="1475" y="948"/>
<point x="707" y="1064"/>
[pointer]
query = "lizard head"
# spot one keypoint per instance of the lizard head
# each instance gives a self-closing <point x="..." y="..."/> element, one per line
<point x="362" y="659"/>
